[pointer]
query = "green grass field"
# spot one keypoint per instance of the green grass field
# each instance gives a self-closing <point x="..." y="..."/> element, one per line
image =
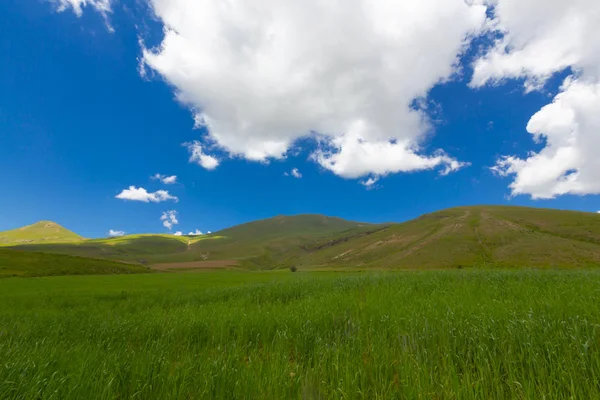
<point x="455" y="334"/>
<point x="28" y="264"/>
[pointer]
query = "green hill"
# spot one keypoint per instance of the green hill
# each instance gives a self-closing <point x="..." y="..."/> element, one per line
<point x="287" y="226"/>
<point x="242" y="242"/>
<point x="40" y="232"/>
<point x="141" y="249"/>
<point x="470" y="236"/>
<point x="493" y="236"/>
<point x="26" y="264"/>
<point x="267" y="243"/>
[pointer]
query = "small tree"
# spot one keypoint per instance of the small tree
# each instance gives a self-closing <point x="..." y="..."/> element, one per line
<point x="293" y="268"/>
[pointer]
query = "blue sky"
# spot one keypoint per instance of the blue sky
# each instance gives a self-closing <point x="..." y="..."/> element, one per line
<point x="79" y="124"/>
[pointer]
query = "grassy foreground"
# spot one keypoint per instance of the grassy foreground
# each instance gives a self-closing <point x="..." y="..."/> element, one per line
<point x="439" y="334"/>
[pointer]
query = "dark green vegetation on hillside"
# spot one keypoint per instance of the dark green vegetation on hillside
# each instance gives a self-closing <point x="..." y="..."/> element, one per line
<point x="460" y="334"/>
<point x="485" y="236"/>
<point x="27" y="264"/>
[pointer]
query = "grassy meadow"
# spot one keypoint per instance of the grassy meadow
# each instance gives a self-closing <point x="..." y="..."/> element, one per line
<point x="29" y="264"/>
<point x="454" y="334"/>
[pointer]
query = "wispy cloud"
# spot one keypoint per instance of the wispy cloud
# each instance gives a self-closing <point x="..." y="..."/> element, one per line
<point x="294" y="172"/>
<point x="167" y="180"/>
<point x="115" y="233"/>
<point x="102" y="6"/>
<point x="198" y="156"/>
<point x="197" y="232"/>
<point x="370" y="183"/>
<point x="141" y="194"/>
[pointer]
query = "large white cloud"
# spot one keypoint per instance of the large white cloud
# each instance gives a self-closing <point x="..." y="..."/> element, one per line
<point x="569" y="162"/>
<point x="541" y="38"/>
<point x="261" y="74"/>
<point x="141" y="194"/>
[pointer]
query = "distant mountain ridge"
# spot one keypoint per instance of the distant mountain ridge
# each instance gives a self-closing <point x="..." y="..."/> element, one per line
<point x="463" y="237"/>
<point x="241" y="242"/>
<point x="289" y="225"/>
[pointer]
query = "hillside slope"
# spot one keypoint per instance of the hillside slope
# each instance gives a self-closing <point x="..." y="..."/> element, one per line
<point x="285" y="226"/>
<point x="470" y="236"/>
<point x="494" y="236"/>
<point x="27" y="264"/>
<point x="141" y="249"/>
<point x="243" y="242"/>
<point x="266" y="243"/>
<point x="40" y="232"/>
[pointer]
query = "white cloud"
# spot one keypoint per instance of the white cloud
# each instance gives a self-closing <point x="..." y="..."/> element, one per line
<point x="101" y="6"/>
<point x="167" y="180"/>
<point x="260" y="75"/>
<point x="115" y="233"/>
<point x="569" y="162"/>
<point x="197" y="232"/>
<point x="141" y="194"/>
<point x="169" y="219"/>
<point x="294" y="172"/>
<point x="453" y="166"/>
<point x="370" y="183"/>
<point x="178" y="233"/>
<point x="353" y="158"/>
<point x="198" y="156"/>
<point x="541" y="38"/>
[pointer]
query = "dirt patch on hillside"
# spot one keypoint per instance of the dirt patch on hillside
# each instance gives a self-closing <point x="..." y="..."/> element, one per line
<point x="212" y="264"/>
<point x="434" y="235"/>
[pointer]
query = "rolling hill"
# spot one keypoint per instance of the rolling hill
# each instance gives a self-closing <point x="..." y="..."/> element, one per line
<point x="470" y="236"/>
<point x="482" y="236"/>
<point x="29" y="264"/>
<point x="267" y="243"/>
<point x="243" y="242"/>
<point x="141" y="249"/>
<point x="40" y="232"/>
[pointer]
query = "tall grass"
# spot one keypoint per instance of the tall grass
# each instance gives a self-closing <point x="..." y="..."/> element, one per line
<point x="439" y="334"/>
